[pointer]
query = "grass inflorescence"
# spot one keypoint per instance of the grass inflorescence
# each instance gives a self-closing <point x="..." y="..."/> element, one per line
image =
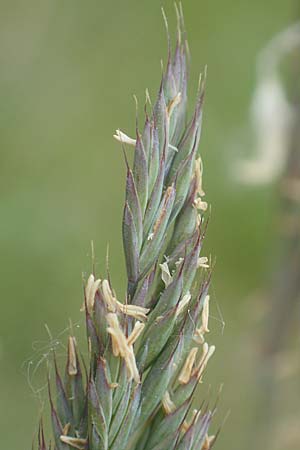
<point x="148" y="352"/>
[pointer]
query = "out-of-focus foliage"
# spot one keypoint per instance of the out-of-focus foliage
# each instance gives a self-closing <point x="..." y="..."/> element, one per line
<point x="68" y="72"/>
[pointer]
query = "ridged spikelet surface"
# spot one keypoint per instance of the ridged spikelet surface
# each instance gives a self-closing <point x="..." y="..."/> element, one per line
<point x="147" y="352"/>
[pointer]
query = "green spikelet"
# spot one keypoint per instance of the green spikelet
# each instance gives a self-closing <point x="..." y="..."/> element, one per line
<point x="147" y="353"/>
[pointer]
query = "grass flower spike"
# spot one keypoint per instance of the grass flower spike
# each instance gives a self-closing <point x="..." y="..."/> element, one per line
<point x="148" y="352"/>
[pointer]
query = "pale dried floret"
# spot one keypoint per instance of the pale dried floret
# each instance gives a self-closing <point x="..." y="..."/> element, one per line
<point x="66" y="429"/>
<point x="165" y="274"/>
<point x="179" y="262"/>
<point x="72" y="360"/>
<point x="131" y="365"/>
<point x="183" y="302"/>
<point x="186" y="372"/>
<point x="207" y="353"/>
<point x="199" y="220"/>
<point x="173" y="103"/>
<point x="91" y="288"/>
<point x="203" y="262"/>
<point x="113" y="305"/>
<point x="198" y="336"/>
<point x="198" y="176"/>
<point x="122" y="347"/>
<point x="169" y="192"/>
<point x="200" y="204"/>
<point x="138" y="312"/>
<point x="205" y="315"/>
<point x="159" y="319"/>
<point x="205" y="349"/>
<point x="136" y="332"/>
<point x="208" y="441"/>
<point x="123" y="138"/>
<point x="199" y="332"/>
<point x="168" y="405"/>
<point x="119" y="340"/>
<point x="109" y="298"/>
<point x="77" y="443"/>
<point x="186" y="424"/>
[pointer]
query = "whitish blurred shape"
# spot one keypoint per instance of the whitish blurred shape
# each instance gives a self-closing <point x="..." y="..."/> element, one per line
<point x="271" y="114"/>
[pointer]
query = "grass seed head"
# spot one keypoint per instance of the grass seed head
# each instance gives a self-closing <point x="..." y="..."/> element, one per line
<point x="143" y="368"/>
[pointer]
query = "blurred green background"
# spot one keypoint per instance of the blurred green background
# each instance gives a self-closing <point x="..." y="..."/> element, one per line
<point x="68" y="72"/>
